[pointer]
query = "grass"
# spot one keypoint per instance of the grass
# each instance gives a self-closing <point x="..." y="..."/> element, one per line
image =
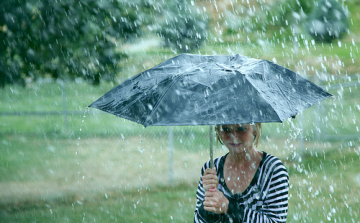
<point x="116" y="206"/>
<point x="94" y="167"/>
<point x="324" y="184"/>
<point x="343" y="110"/>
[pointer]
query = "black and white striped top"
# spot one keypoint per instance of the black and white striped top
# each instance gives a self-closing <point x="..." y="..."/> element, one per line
<point x="265" y="199"/>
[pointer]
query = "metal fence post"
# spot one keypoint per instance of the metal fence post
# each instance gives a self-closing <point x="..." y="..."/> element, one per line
<point x="170" y="149"/>
<point x="65" y="111"/>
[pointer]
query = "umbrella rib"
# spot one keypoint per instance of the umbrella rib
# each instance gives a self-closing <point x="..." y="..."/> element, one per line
<point x="283" y="94"/>
<point x="178" y="76"/>
<point x="263" y="98"/>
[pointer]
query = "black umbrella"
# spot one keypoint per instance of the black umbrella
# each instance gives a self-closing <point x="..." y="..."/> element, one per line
<point x="210" y="90"/>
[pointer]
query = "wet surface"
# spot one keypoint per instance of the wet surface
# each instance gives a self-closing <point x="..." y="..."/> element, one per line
<point x="207" y="90"/>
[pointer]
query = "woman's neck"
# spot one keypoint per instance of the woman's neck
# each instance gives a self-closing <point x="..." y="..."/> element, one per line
<point x="247" y="158"/>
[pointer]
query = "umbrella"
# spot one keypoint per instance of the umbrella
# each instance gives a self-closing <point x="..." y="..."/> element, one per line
<point x="211" y="90"/>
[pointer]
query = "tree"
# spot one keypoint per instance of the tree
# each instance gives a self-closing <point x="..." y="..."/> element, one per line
<point x="67" y="38"/>
<point x="328" y="21"/>
<point x="264" y="16"/>
<point x="184" y="28"/>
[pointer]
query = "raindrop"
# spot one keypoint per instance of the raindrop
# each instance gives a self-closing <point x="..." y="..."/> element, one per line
<point x="310" y="189"/>
<point x="193" y="122"/>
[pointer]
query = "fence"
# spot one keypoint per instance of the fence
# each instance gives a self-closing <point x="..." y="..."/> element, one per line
<point x="321" y="109"/>
<point x="327" y="113"/>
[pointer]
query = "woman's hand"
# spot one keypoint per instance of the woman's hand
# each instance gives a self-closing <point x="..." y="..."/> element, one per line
<point x="210" y="179"/>
<point x="216" y="202"/>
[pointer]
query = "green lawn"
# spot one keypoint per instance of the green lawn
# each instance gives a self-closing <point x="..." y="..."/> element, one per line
<point x="324" y="185"/>
<point x="94" y="167"/>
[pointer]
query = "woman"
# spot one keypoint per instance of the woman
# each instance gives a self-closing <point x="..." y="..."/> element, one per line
<point x="246" y="185"/>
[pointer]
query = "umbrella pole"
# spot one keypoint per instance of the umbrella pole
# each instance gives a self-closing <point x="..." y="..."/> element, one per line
<point x="211" y="147"/>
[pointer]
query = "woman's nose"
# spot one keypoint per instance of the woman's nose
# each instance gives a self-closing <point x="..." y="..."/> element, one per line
<point x="233" y="135"/>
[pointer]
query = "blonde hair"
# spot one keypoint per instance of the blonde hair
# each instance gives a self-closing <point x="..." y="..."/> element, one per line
<point x="257" y="132"/>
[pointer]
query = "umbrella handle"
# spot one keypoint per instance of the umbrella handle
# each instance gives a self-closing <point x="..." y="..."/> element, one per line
<point x="211" y="147"/>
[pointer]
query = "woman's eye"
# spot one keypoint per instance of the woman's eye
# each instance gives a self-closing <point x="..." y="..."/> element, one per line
<point x="241" y="129"/>
<point x="226" y="129"/>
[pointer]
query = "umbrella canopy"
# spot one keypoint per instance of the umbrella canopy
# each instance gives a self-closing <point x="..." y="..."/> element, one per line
<point x="209" y="90"/>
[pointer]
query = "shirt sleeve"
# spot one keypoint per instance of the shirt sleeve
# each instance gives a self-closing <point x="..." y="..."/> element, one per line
<point x="275" y="205"/>
<point x="202" y="215"/>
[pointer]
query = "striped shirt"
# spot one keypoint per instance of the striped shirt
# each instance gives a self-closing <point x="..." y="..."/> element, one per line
<point x="265" y="199"/>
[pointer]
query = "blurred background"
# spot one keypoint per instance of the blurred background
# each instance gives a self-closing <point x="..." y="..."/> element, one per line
<point x="63" y="162"/>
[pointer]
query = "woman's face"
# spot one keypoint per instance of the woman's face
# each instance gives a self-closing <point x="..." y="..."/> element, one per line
<point x="237" y="138"/>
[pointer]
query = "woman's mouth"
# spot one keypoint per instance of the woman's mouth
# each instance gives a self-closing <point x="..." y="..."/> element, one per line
<point x="235" y="144"/>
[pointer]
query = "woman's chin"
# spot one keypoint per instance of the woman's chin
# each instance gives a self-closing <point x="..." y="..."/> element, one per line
<point x="237" y="148"/>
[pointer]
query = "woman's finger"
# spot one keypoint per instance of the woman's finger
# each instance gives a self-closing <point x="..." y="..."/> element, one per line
<point x="209" y="186"/>
<point x="210" y="177"/>
<point x="209" y="208"/>
<point x="210" y="171"/>
<point x="210" y="181"/>
<point x="209" y="194"/>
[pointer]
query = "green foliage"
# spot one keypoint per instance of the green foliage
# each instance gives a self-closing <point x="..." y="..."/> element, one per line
<point x="328" y="21"/>
<point x="265" y="15"/>
<point x="284" y="13"/>
<point x="184" y="28"/>
<point x="62" y="39"/>
<point x="147" y="11"/>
